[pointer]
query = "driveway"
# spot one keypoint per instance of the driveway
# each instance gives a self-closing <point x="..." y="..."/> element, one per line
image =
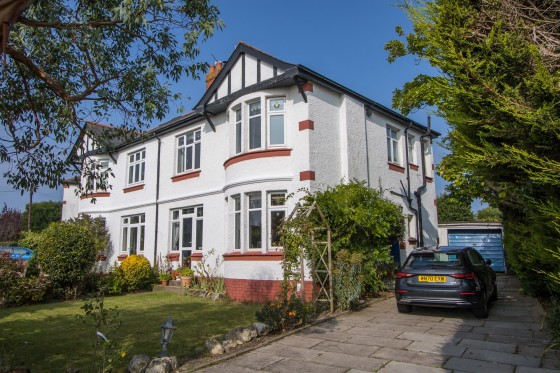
<point x="379" y="339"/>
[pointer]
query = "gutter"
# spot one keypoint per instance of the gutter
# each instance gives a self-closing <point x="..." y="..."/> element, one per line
<point x="422" y="188"/>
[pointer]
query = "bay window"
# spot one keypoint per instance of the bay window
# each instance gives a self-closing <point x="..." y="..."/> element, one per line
<point x="277" y="214"/>
<point x="276" y="122"/>
<point x="255" y="125"/>
<point x="255" y="220"/>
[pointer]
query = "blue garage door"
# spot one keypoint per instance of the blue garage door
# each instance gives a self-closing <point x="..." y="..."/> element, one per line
<point x="487" y="242"/>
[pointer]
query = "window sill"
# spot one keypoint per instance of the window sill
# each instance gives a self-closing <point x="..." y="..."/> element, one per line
<point x="414" y="167"/>
<point x="122" y="257"/>
<point x="395" y="167"/>
<point x="133" y="188"/>
<point x="189" y="175"/>
<point x="196" y="257"/>
<point x="254" y="256"/>
<point x="96" y="195"/>
<point x="258" y="154"/>
<point x="429" y="179"/>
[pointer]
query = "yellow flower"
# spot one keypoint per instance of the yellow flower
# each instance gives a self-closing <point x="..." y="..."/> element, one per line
<point x="123" y="354"/>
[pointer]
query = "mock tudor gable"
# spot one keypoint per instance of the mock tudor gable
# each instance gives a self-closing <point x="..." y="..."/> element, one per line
<point x="214" y="183"/>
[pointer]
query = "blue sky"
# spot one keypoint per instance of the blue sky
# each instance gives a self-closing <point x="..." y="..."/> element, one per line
<point x="341" y="40"/>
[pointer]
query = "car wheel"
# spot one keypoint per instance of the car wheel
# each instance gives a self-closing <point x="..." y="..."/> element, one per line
<point x="482" y="311"/>
<point x="404" y="308"/>
<point x="494" y="296"/>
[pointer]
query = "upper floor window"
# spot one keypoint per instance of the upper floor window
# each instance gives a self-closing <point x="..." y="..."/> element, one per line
<point x="255" y="125"/>
<point x="238" y="131"/>
<point x="428" y="157"/>
<point x="187" y="228"/>
<point x="255" y="128"/>
<point x="392" y="145"/>
<point x="411" y="153"/>
<point x="133" y="231"/>
<point x="276" y="131"/>
<point x="96" y="175"/>
<point x="136" y="167"/>
<point x="188" y="151"/>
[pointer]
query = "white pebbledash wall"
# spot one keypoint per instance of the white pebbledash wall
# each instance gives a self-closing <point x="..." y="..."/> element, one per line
<point x="346" y="142"/>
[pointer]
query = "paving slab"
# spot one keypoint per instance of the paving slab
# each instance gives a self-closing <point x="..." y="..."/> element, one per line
<point x="431" y="340"/>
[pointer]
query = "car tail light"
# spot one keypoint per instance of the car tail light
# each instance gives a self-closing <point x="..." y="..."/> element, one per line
<point x="464" y="276"/>
<point x="404" y="275"/>
<point x="401" y="291"/>
<point x="467" y="293"/>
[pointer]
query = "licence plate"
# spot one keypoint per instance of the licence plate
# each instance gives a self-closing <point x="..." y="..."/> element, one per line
<point x="432" y="279"/>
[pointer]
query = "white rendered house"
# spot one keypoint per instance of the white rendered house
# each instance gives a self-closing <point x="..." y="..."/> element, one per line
<point x="217" y="178"/>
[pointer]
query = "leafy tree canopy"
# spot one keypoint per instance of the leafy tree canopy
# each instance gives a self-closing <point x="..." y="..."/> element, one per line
<point x="42" y="214"/>
<point x="452" y="210"/>
<point x="101" y="61"/>
<point x="489" y="214"/>
<point x="498" y="87"/>
<point x="10" y="224"/>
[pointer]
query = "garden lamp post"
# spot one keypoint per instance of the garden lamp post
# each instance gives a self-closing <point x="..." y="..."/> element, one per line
<point x="167" y="330"/>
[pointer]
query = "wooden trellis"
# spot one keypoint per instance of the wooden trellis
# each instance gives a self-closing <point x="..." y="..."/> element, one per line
<point x="321" y="254"/>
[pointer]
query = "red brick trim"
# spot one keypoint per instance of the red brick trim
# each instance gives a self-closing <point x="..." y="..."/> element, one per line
<point x="122" y="257"/>
<point x="96" y="195"/>
<point x="435" y="202"/>
<point x="173" y="257"/>
<point x="133" y="188"/>
<point x="186" y="176"/>
<point x="413" y="166"/>
<point x="260" y="291"/>
<point x="196" y="257"/>
<point x="429" y="179"/>
<point x="306" y="175"/>
<point x="394" y="167"/>
<point x="254" y="256"/>
<point x="66" y="186"/>
<point x="258" y="154"/>
<point x="306" y="125"/>
<point x="433" y="167"/>
<point x="307" y="87"/>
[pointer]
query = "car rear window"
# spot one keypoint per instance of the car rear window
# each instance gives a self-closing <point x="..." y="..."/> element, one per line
<point x="433" y="259"/>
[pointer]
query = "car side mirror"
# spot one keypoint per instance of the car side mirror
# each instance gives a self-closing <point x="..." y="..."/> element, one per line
<point x="488" y="262"/>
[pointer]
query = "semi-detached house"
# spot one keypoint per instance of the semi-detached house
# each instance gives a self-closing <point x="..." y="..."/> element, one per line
<point x="217" y="178"/>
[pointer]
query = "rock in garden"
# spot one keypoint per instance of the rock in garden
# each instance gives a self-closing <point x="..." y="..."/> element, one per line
<point x="162" y="365"/>
<point x="214" y="347"/>
<point x="228" y="344"/>
<point x="262" y="328"/>
<point x="138" y="364"/>
<point x="234" y="335"/>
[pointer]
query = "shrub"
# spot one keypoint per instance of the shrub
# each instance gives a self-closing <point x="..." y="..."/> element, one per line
<point x="10" y="273"/>
<point x="28" y="290"/>
<point x="185" y="271"/>
<point x="137" y="273"/>
<point x="348" y="279"/>
<point x="284" y="313"/>
<point x="552" y="321"/>
<point x="67" y="254"/>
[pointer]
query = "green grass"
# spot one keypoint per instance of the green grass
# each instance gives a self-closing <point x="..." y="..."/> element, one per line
<point x="49" y="337"/>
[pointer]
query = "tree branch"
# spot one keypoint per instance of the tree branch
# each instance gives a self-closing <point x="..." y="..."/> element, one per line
<point x="66" y="26"/>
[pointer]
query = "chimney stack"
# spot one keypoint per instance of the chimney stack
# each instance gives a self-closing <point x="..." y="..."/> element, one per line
<point x="213" y="73"/>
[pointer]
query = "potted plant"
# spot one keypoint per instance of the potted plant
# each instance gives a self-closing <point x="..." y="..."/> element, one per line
<point x="164" y="278"/>
<point x="186" y="276"/>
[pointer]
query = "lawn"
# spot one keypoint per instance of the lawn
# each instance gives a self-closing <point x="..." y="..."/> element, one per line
<point x="50" y="338"/>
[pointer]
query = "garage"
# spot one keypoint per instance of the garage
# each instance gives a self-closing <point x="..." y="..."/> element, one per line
<point x="486" y="238"/>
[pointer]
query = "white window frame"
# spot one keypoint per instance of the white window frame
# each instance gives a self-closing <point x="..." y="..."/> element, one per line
<point x="178" y="216"/>
<point x="128" y="224"/>
<point x="136" y="167"/>
<point x="253" y="210"/>
<point x="411" y="149"/>
<point x="428" y="161"/>
<point x="182" y="149"/>
<point x="250" y="116"/>
<point x="238" y="129"/>
<point x="272" y="208"/>
<point x="237" y="222"/>
<point x="98" y="168"/>
<point x="276" y="111"/>
<point x="393" y="148"/>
